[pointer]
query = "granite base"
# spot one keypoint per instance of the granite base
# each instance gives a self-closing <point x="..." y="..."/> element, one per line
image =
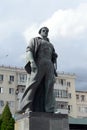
<point x="42" y="121"/>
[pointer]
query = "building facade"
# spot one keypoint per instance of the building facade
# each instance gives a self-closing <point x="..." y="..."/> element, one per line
<point x="10" y="79"/>
<point x="68" y="100"/>
<point x="64" y="89"/>
<point x="81" y="103"/>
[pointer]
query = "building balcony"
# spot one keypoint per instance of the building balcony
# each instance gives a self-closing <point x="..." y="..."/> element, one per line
<point x="62" y="111"/>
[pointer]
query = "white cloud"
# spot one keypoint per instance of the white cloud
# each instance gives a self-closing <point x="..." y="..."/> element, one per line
<point x="7" y="28"/>
<point x="69" y="23"/>
<point x="31" y="32"/>
<point x="23" y="57"/>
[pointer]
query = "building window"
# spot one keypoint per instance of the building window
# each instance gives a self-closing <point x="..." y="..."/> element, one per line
<point x="11" y="78"/>
<point x="1" y="103"/>
<point x="23" y="77"/>
<point x="62" y="82"/>
<point x="83" y="109"/>
<point x="11" y="90"/>
<point x="68" y="84"/>
<point x="69" y="108"/>
<point x="11" y="103"/>
<point x="69" y="95"/>
<point x="60" y="93"/>
<point x="82" y="98"/>
<point x="22" y="90"/>
<point x="64" y="94"/>
<point x="86" y="109"/>
<point x="77" y="97"/>
<point x="1" y="90"/>
<point x="61" y="105"/>
<point x="1" y="77"/>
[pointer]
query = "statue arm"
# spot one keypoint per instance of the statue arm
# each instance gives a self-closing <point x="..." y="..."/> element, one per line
<point x="30" y="58"/>
<point x="30" y="62"/>
<point x="54" y="60"/>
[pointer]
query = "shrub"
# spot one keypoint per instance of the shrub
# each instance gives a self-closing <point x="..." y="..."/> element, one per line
<point x="7" y="121"/>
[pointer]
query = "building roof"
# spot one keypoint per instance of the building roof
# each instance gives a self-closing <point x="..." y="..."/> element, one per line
<point x="77" y="121"/>
<point x="81" y="91"/>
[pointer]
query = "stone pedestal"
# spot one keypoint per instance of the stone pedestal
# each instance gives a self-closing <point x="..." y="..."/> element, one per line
<point x="42" y="121"/>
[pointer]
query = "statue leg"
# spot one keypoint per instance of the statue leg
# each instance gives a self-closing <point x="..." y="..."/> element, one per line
<point x="29" y="94"/>
<point x="49" y="90"/>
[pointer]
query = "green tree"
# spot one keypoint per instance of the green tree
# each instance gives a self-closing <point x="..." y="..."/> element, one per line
<point x="7" y="121"/>
<point x="0" y="122"/>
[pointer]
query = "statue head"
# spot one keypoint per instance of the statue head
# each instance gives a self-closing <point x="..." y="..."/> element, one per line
<point x="44" y="31"/>
<point x="45" y="28"/>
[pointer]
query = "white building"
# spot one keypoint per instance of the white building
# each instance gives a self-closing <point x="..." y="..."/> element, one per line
<point x="10" y="79"/>
<point x="81" y="103"/>
<point x="13" y="82"/>
<point x="65" y="94"/>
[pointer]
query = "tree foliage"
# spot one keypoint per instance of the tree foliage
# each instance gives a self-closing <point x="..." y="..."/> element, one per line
<point x="7" y="121"/>
<point x="0" y="122"/>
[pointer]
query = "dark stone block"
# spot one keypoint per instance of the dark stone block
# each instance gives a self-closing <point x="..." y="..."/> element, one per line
<point x="42" y="121"/>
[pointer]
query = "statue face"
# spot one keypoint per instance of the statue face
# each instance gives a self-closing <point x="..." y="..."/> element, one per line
<point x="44" y="32"/>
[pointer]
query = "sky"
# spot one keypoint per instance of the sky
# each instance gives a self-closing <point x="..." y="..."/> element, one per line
<point x="20" y="21"/>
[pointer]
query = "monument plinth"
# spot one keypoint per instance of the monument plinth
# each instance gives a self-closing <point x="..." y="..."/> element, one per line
<point x="42" y="121"/>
